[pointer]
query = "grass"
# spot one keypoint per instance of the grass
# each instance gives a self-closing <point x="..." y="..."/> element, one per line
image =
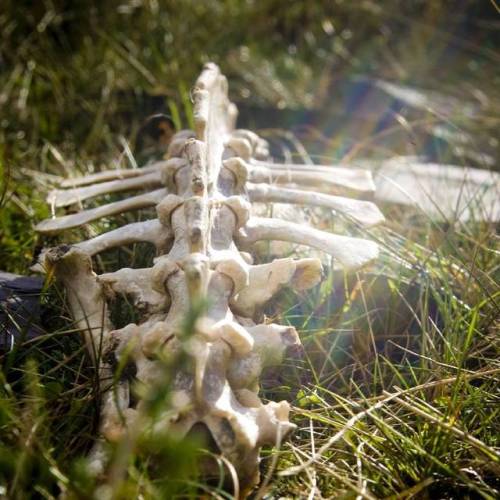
<point x="422" y="420"/>
<point x="397" y="396"/>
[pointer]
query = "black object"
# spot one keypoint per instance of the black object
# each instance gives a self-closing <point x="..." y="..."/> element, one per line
<point x="155" y="135"/>
<point x="20" y="309"/>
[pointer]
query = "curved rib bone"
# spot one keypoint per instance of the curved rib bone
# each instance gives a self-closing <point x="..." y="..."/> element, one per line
<point x="60" y="198"/>
<point x="335" y="179"/>
<point x="110" y="175"/>
<point x="364" y="212"/>
<point x="59" y="224"/>
<point x="150" y="231"/>
<point x="352" y="253"/>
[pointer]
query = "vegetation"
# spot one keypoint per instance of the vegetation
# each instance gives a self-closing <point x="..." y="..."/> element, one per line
<point x="397" y="396"/>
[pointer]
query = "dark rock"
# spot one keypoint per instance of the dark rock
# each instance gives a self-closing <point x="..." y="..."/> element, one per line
<point x="20" y="309"/>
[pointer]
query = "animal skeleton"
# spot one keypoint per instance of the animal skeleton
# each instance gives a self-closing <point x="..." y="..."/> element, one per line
<point x="203" y="194"/>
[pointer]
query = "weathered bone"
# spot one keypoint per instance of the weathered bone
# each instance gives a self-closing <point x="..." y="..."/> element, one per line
<point x="139" y="284"/>
<point x="73" y="268"/>
<point x="58" y="224"/>
<point x="352" y="253"/>
<point x="150" y="231"/>
<point x="64" y="198"/>
<point x="203" y="222"/>
<point x="332" y="178"/>
<point x="110" y="175"/>
<point x="267" y="279"/>
<point x="364" y="212"/>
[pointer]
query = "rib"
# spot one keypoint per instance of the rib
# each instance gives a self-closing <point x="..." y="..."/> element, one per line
<point x="150" y="231"/>
<point x="109" y="175"/>
<point x="352" y="253"/>
<point x="58" y="224"/>
<point x="364" y="212"/>
<point x="61" y="198"/>
<point x="334" y="179"/>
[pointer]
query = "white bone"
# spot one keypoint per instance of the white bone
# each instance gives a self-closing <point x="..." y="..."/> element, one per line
<point x="352" y="253"/>
<point x="138" y="284"/>
<point x="73" y="267"/>
<point x="333" y="179"/>
<point x="176" y="146"/>
<point x="59" y="198"/>
<point x="58" y="224"/>
<point x="110" y="175"/>
<point x="150" y="231"/>
<point x="266" y="280"/>
<point x="364" y="212"/>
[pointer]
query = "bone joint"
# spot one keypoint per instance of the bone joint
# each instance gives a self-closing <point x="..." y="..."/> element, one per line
<point x="203" y="193"/>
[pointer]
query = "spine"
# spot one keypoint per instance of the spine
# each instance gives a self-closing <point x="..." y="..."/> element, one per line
<point x="203" y="195"/>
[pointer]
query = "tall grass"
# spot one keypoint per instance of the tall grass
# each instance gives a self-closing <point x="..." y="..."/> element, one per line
<point x="397" y="395"/>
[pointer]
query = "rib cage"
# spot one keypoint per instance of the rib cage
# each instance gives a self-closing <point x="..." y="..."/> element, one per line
<point x="203" y="195"/>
